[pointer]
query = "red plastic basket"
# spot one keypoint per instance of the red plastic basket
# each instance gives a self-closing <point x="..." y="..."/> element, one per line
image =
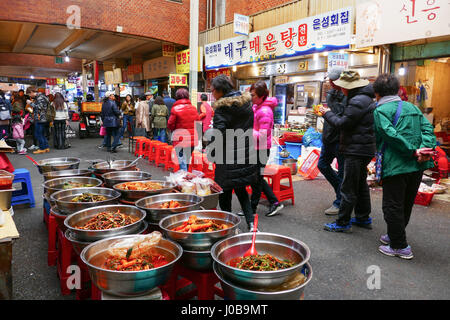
<point x="424" y="198"/>
<point x="309" y="169"/>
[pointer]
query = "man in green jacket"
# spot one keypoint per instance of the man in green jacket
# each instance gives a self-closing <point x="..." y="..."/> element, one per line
<point x="406" y="155"/>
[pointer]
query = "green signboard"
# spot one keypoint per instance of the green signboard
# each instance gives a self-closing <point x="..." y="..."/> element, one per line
<point x="58" y="60"/>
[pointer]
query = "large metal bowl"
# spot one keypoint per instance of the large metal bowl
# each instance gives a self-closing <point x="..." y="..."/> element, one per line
<point x="62" y="199"/>
<point x="129" y="283"/>
<point x="59" y="217"/>
<point x="279" y="246"/>
<point x="197" y="260"/>
<point x="57" y="164"/>
<point x="199" y="241"/>
<point x="211" y="201"/>
<point x="113" y="178"/>
<point x="83" y="216"/>
<point x="54" y="185"/>
<point x="116" y="165"/>
<point x="67" y="173"/>
<point x="155" y="215"/>
<point x="234" y="292"/>
<point x="78" y="245"/>
<point x="134" y="195"/>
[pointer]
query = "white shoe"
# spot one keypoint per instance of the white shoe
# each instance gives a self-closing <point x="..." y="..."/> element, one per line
<point x="332" y="211"/>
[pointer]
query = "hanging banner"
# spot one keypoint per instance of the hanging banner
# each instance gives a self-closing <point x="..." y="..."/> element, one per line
<point x="109" y="77"/>
<point x="51" y="82"/>
<point x="158" y="67"/>
<point x="183" y="61"/>
<point x="117" y="75"/>
<point x="241" y="24"/>
<point x="336" y="59"/>
<point x="325" y="32"/>
<point x="168" y="50"/>
<point x="178" y="80"/>
<point x="386" y="21"/>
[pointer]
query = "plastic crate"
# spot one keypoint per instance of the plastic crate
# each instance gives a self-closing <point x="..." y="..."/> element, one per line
<point x="295" y="149"/>
<point x="424" y="198"/>
<point x="309" y="169"/>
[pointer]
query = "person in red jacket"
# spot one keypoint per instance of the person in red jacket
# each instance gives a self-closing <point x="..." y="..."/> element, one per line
<point x="182" y="122"/>
<point x="206" y="113"/>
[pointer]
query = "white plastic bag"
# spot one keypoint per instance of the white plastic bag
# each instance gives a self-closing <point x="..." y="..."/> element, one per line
<point x="133" y="248"/>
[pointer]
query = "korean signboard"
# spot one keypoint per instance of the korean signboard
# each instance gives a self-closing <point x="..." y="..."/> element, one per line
<point x="158" y="68"/>
<point x="109" y="77"/>
<point x="210" y="75"/>
<point x="183" y="61"/>
<point x="168" y="50"/>
<point x="178" y="80"/>
<point x="324" y="32"/>
<point x="51" y="82"/>
<point x="241" y="24"/>
<point x="117" y="75"/>
<point x="386" y="21"/>
<point x="339" y="60"/>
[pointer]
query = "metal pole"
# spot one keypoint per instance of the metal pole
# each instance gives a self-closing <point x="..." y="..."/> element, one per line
<point x="193" y="48"/>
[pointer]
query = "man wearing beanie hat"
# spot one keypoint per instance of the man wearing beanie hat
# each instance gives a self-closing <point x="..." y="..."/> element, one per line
<point x="336" y="101"/>
<point x="357" y="144"/>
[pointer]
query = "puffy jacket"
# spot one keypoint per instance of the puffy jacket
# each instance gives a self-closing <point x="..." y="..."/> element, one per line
<point x="159" y="116"/>
<point x="183" y="116"/>
<point x="17" y="131"/>
<point x="40" y="106"/>
<point x="357" y="135"/>
<point x="413" y="131"/>
<point x="168" y="101"/>
<point x="110" y="114"/>
<point x="263" y="123"/>
<point x="128" y="109"/>
<point x="336" y="101"/>
<point x="234" y="111"/>
<point x="206" y="115"/>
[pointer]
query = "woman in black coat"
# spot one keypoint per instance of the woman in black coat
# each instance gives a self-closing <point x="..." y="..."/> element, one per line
<point x="236" y="163"/>
<point x="111" y="121"/>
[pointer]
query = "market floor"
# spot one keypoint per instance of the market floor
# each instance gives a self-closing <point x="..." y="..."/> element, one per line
<point x="340" y="262"/>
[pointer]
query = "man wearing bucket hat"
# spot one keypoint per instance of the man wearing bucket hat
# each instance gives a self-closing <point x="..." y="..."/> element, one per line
<point x="357" y="144"/>
<point x="336" y="101"/>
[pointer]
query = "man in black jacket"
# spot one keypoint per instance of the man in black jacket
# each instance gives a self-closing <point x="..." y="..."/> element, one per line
<point x="357" y="143"/>
<point x="336" y="101"/>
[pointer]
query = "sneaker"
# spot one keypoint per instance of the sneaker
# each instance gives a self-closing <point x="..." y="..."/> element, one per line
<point x="405" y="253"/>
<point x="23" y="152"/>
<point x="251" y="227"/>
<point x="362" y="224"/>
<point x="101" y="146"/>
<point x="332" y="211"/>
<point x="33" y="147"/>
<point x="274" y="209"/>
<point x="39" y="151"/>
<point x="240" y="213"/>
<point x="384" y="239"/>
<point x="334" y="227"/>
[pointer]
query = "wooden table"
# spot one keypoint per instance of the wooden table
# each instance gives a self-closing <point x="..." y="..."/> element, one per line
<point x="8" y="232"/>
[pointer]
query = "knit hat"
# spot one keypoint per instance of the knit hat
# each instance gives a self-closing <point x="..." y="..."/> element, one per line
<point x="335" y="73"/>
<point x="351" y="80"/>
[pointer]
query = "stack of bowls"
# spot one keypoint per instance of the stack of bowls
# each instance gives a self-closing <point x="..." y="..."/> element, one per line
<point x="67" y="173"/>
<point x="239" y="284"/>
<point x="197" y="246"/>
<point x="116" y="177"/>
<point x="55" y="185"/>
<point x="135" y="195"/>
<point x="57" y="164"/>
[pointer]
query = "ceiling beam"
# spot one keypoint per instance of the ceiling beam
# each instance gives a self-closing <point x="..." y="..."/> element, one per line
<point x="25" y="33"/>
<point x="125" y="45"/>
<point x="76" y="38"/>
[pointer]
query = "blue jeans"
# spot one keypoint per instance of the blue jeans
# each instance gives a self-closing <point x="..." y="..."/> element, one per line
<point x="159" y="134"/>
<point x="184" y="159"/>
<point x="112" y="132"/>
<point x="126" y="119"/>
<point x="327" y="155"/>
<point x="39" y="131"/>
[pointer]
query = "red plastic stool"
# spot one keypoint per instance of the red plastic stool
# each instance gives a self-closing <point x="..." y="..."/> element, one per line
<point x="172" y="160"/>
<point x="52" y="252"/>
<point x="196" y="162"/>
<point x="154" y="149"/>
<point x="274" y="175"/>
<point x="209" y="168"/>
<point x="205" y="283"/>
<point x="65" y="258"/>
<point x="139" y="149"/>
<point x="96" y="293"/>
<point x="46" y="212"/>
<point x="84" y="292"/>
<point x="162" y="154"/>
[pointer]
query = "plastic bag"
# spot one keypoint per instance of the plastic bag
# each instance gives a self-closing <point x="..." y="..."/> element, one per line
<point x="312" y="138"/>
<point x="188" y="187"/>
<point x="133" y="248"/>
<point x="203" y="186"/>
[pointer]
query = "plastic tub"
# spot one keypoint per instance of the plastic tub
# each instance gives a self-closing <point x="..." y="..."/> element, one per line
<point x="295" y="149"/>
<point x="6" y="180"/>
<point x="424" y="198"/>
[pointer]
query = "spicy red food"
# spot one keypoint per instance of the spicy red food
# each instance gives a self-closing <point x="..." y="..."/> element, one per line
<point x="107" y="220"/>
<point x="144" y="262"/>
<point x="200" y="225"/>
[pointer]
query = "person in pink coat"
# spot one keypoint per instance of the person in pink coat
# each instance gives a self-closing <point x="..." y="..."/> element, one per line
<point x="263" y="107"/>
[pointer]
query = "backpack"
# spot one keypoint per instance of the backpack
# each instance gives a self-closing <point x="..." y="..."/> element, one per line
<point x="50" y="113"/>
<point x="5" y="114"/>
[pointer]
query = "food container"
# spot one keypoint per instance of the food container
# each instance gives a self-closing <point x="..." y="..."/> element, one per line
<point x="211" y="202"/>
<point x="154" y="215"/>
<point x="62" y="199"/>
<point x="117" y="165"/>
<point x="291" y="164"/>
<point x="129" y="283"/>
<point x="67" y="173"/>
<point x="233" y="291"/>
<point x="200" y="241"/>
<point x="57" y="164"/>
<point x="6" y="180"/>
<point x="83" y="216"/>
<point x="279" y="246"/>
<point x="5" y="199"/>
<point x="134" y="195"/>
<point x="54" y="185"/>
<point x="59" y="218"/>
<point x="78" y="245"/>
<point x="116" y="177"/>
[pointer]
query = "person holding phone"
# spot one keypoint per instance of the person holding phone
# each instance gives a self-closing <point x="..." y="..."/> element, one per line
<point x="408" y="147"/>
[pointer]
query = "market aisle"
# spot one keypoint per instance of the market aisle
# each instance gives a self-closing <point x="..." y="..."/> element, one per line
<point x="339" y="261"/>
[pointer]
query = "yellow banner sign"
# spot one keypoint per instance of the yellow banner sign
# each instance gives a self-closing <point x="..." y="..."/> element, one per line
<point x="178" y="80"/>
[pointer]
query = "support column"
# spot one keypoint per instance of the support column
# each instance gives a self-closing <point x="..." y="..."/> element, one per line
<point x="193" y="48"/>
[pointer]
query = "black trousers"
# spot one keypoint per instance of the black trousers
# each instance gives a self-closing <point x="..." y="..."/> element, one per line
<point x="261" y="184"/>
<point x="242" y="195"/>
<point x="399" y="193"/>
<point x="59" y="136"/>
<point x="355" y="193"/>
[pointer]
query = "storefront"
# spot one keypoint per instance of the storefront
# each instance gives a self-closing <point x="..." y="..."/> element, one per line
<point x="156" y="73"/>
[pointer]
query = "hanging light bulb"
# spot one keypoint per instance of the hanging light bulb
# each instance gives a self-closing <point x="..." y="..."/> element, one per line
<point x="234" y="68"/>
<point x="67" y="57"/>
<point x="32" y="77"/>
<point x="402" y="70"/>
